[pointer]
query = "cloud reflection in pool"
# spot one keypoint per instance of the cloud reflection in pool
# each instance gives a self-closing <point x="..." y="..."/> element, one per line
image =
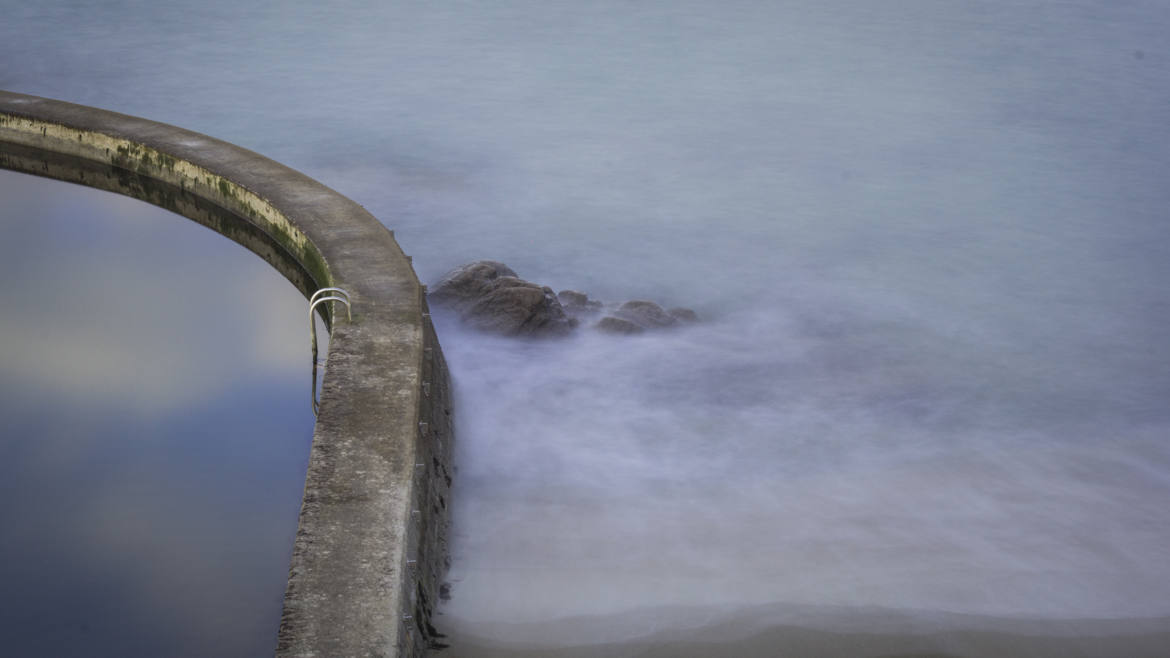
<point x="157" y="425"/>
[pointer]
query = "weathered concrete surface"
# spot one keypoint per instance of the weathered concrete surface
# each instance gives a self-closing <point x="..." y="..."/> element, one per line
<point x="371" y="545"/>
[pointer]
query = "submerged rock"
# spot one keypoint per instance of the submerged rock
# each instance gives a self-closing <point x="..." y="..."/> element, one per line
<point x="490" y="296"/>
<point x="647" y="315"/>
<point x="611" y="325"/>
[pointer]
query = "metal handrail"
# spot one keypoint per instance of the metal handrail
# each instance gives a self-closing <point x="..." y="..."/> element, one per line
<point x="325" y="290"/>
<point x="316" y="299"/>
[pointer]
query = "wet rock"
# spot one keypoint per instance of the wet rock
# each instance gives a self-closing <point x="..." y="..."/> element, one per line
<point x="572" y="300"/>
<point x="467" y="283"/>
<point x="647" y="315"/>
<point x="611" y="325"/>
<point x="489" y="296"/>
<point x="578" y="306"/>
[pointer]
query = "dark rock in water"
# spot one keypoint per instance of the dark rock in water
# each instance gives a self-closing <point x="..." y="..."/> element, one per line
<point x="490" y="296"/>
<point x="612" y="325"/>
<point x="467" y="283"/>
<point x="578" y="306"/>
<point x="645" y="314"/>
<point x="515" y="306"/>
<point x="572" y="301"/>
<point x="572" y="298"/>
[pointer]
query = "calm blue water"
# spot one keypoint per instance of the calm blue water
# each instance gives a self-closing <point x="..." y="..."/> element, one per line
<point x="929" y="240"/>
<point x="156" y="430"/>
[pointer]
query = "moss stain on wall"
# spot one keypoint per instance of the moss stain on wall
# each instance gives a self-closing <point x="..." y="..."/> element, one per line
<point x="147" y="161"/>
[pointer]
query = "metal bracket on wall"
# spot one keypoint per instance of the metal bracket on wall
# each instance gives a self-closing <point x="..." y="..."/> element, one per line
<point x="323" y="295"/>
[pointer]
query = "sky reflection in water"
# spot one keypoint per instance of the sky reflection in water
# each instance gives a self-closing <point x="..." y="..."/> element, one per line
<point x="153" y="389"/>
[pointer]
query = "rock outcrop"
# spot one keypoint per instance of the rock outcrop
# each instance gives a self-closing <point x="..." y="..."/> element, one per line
<point x="639" y="315"/>
<point x="490" y="296"/>
<point x="611" y="325"/>
<point x="647" y="315"/>
<point x="578" y="302"/>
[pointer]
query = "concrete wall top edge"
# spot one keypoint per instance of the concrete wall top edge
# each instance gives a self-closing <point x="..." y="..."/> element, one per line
<point x="319" y="211"/>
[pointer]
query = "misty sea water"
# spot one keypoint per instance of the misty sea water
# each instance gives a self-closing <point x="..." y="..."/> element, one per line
<point x="928" y="241"/>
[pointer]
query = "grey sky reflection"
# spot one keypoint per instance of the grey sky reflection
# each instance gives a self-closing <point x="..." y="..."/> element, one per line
<point x="152" y="381"/>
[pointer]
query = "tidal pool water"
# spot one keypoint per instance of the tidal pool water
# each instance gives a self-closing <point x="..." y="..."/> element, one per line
<point x="928" y="240"/>
<point x="153" y="386"/>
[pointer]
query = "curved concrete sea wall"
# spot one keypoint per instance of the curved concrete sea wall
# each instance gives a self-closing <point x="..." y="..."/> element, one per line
<point x="371" y="546"/>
